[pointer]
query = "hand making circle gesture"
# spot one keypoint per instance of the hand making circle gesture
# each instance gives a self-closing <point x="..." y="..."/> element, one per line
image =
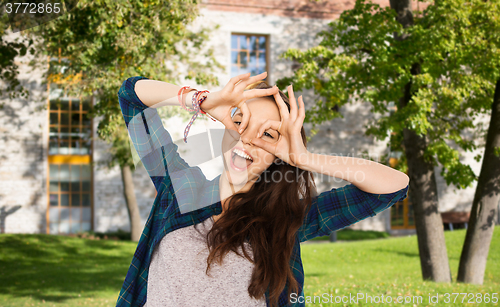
<point x="290" y="147"/>
<point x="219" y="104"/>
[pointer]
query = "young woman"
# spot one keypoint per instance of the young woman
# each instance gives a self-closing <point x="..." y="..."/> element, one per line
<point x="235" y="240"/>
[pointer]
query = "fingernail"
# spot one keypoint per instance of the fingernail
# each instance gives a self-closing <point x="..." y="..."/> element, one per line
<point x="240" y="131"/>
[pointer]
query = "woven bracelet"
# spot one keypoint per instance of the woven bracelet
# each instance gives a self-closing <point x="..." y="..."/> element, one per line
<point x="197" y="109"/>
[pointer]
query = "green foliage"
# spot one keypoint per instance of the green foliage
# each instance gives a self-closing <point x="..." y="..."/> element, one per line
<point x="105" y="42"/>
<point x="111" y="235"/>
<point x="10" y="48"/>
<point x="456" y="47"/>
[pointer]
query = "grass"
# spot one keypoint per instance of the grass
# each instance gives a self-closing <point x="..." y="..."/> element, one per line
<point x="389" y="267"/>
<point x="44" y="270"/>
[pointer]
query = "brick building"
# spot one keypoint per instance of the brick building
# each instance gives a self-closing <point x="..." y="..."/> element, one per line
<point x="51" y="176"/>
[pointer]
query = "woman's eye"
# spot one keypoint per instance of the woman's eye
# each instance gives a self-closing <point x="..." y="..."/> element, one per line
<point x="237" y="123"/>
<point x="268" y="135"/>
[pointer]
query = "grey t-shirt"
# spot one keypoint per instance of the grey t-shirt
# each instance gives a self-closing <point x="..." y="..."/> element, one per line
<point x="177" y="273"/>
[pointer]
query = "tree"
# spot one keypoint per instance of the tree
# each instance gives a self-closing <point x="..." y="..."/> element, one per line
<point x="106" y="42"/>
<point x="478" y="41"/>
<point x="10" y="48"/>
<point x="428" y="222"/>
<point x="467" y="45"/>
<point x="383" y="55"/>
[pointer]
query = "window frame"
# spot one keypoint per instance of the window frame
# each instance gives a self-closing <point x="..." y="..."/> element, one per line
<point x="267" y="47"/>
<point x="70" y="158"/>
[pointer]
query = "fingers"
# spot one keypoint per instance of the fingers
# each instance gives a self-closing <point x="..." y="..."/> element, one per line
<point x="282" y="107"/>
<point x="253" y="79"/>
<point x="293" y="103"/>
<point x="230" y="125"/>
<point x="302" y="110"/>
<point x="257" y="77"/>
<point x="271" y="148"/>
<point x="234" y="80"/>
<point x="246" y="117"/>
<point x="268" y="124"/>
<point x="255" y="93"/>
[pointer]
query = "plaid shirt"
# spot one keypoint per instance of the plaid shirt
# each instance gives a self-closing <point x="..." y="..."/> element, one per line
<point x="185" y="197"/>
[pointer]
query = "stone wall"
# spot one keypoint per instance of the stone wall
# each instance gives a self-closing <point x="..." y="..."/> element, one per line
<point x="110" y="210"/>
<point x="318" y="9"/>
<point x="23" y="155"/>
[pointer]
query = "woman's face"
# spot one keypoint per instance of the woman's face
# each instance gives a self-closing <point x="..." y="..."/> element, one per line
<point x="243" y="161"/>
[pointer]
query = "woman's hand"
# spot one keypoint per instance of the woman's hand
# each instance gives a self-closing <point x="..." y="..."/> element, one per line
<point x="290" y="147"/>
<point x="219" y="104"/>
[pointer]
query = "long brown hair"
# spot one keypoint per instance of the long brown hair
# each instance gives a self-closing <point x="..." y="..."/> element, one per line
<point x="268" y="216"/>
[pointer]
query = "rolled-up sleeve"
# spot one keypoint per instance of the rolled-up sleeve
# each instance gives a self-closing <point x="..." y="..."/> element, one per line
<point x="340" y="207"/>
<point x="152" y="142"/>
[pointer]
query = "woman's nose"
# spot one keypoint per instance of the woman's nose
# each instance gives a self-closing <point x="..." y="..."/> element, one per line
<point x="247" y="135"/>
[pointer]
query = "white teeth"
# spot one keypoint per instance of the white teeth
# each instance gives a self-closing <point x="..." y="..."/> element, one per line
<point x="242" y="154"/>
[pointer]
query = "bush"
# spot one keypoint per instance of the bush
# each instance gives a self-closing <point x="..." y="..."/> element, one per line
<point x="119" y="235"/>
<point x="355" y="235"/>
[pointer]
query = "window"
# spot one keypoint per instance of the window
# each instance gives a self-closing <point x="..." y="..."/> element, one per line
<point x="69" y="200"/>
<point x="69" y="208"/>
<point x="70" y="128"/>
<point x="249" y="53"/>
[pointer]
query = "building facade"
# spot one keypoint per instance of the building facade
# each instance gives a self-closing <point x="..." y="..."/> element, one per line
<point x="52" y="164"/>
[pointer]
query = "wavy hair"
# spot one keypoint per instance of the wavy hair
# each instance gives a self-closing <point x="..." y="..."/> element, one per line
<point x="268" y="217"/>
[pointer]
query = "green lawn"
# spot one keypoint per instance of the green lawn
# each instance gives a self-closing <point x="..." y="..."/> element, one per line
<point x="389" y="267"/>
<point x="43" y="270"/>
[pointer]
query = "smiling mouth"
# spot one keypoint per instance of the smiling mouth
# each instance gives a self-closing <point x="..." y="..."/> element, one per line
<point x="240" y="161"/>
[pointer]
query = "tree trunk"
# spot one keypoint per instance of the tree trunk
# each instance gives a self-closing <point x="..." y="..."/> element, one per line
<point x="133" y="209"/>
<point x="423" y="188"/>
<point x="482" y="217"/>
<point x="430" y="234"/>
